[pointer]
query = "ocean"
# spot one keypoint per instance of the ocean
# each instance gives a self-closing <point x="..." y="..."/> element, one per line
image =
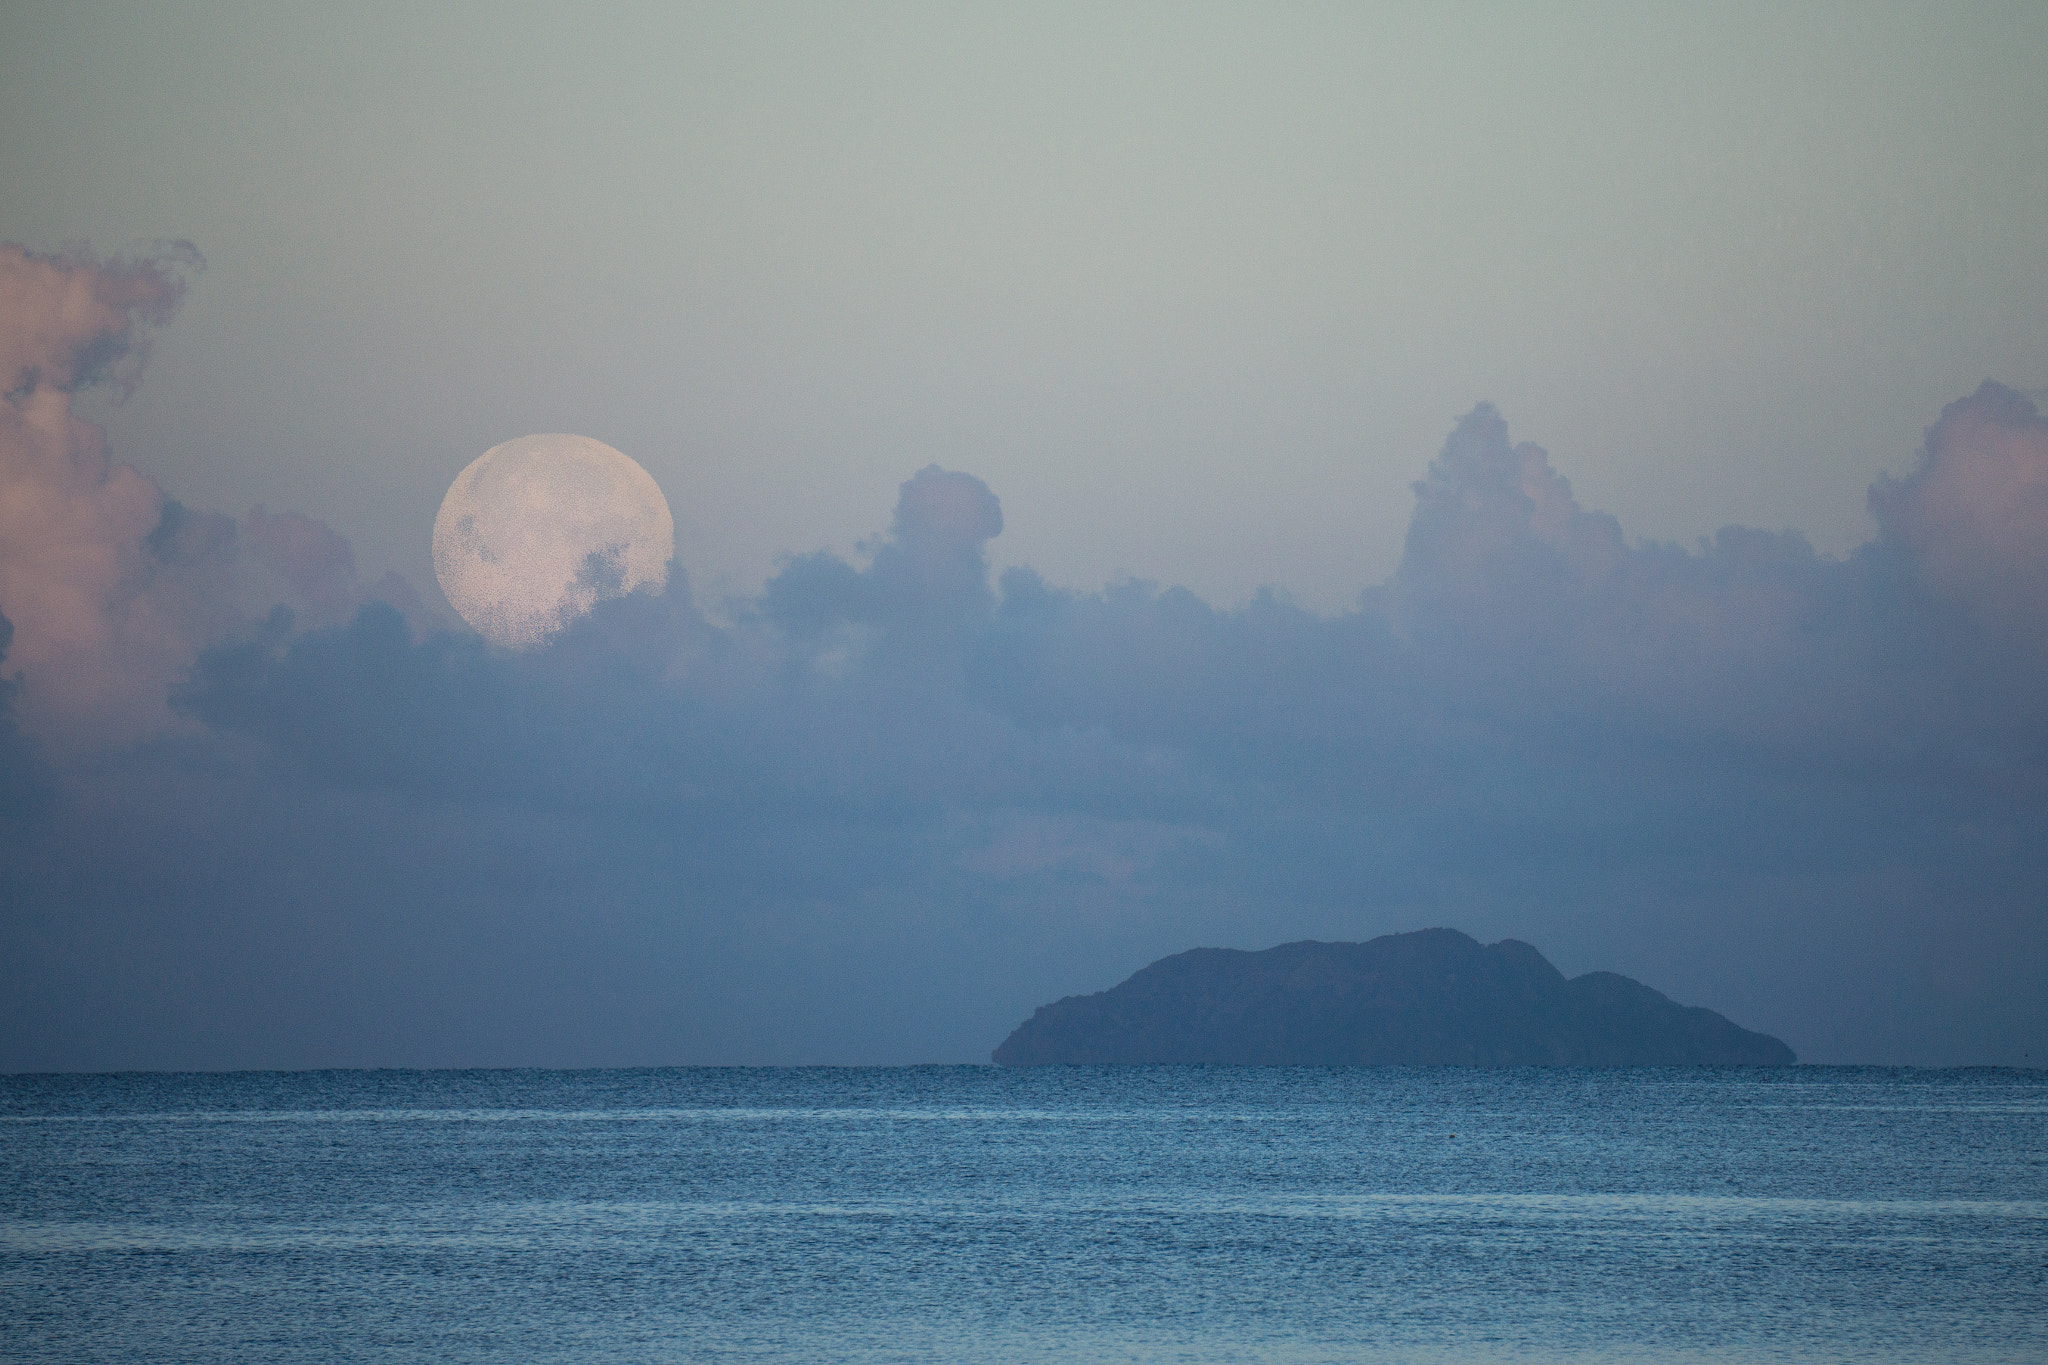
<point x="1060" y="1214"/>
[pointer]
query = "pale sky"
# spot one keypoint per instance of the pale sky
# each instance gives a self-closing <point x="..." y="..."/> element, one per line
<point x="1197" y="291"/>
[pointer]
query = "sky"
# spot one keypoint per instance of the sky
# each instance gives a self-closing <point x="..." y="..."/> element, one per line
<point x="1106" y="516"/>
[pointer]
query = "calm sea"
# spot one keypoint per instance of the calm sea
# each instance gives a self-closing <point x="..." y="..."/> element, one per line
<point x="975" y="1214"/>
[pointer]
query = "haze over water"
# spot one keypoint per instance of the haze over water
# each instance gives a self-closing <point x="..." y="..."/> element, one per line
<point x="981" y="1214"/>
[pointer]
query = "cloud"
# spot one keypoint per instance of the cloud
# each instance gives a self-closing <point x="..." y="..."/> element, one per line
<point x="929" y="574"/>
<point x="1903" y="658"/>
<point x="316" y="567"/>
<point x="311" y="556"/>
<point x="106" y="581"/>
<point x="1972" y="518"/>
<point x="73" y="320"/>
<point x="1494" y="523"/>
<point x="1533" y="720"/>
<point x="888" y="806"/>
<point x="25" y="783"/>
<point x="112" y="586"/>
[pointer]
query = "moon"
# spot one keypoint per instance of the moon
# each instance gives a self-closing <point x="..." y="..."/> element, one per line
<point x="539" y="530"/>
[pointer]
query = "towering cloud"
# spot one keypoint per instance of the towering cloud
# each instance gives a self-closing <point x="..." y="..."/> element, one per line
<point x="106" y="581"/>
<point x="929" y="573"/>
<point x="1969" y="524"/>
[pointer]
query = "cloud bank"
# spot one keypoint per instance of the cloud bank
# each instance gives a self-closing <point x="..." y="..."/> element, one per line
<point x="884" y="808"/>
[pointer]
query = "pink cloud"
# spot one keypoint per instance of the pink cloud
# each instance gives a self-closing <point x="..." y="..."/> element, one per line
<point x="1974" y="514"/>
<point x="99" y="573"/>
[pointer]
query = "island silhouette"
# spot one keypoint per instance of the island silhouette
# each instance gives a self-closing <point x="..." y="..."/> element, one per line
<point x="1435" y="997"/>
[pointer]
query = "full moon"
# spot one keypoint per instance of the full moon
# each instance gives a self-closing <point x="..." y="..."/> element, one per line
<point x="537" y="531"/>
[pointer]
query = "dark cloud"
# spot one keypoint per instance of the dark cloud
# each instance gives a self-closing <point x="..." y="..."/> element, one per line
<point x="930" y="574"/>
<point x="26" y="784"/>
<point x="315" y="559"/>
<point x="886" y="807"/>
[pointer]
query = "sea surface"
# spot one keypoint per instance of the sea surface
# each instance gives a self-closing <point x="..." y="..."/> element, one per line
<point x="1069" y="1214"/>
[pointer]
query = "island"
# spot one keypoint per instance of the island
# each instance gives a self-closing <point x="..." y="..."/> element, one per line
<point x="1436" y="997"/>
